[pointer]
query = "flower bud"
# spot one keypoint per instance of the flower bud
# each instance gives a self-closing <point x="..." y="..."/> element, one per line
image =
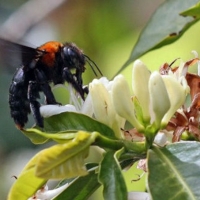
<point x="140" y="80"/>
<point x="122" y="101"/>
<point x="158" y="96"/>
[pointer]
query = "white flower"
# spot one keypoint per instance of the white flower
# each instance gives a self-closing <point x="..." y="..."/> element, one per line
<point x="121" y="98"/>
<point x="177" y="93"/>
<point x="159" y="99"/>
<point x="98" y="104"/>
<point x="140" y="79"/>
<point x="155" y="97"/>
<point x="102" y="105"/>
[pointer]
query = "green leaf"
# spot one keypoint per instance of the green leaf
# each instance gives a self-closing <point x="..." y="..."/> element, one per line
<point x="27" y="183"/>
<point x="85" y="187"/>
<point x="38" y="137"/>
<point x="174" y="171"/>
<point x="63" y="127"/>
<point x="65" y="160"/>
<point x="76" y="121"/>
<point x="110" y="175"/>
<point x="165" y="27"/>
<point x="194" y="11"/>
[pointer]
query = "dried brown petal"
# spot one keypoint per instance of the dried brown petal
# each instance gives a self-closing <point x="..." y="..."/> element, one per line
<point x="177" y="133"/>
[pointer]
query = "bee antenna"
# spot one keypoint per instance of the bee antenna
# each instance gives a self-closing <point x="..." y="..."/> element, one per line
<point x="92" y="65"/>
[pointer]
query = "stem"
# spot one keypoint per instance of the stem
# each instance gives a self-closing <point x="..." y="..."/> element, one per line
<point x="148" y="142"/>
<point x="150" y="134"/>
<point x="131" y="156"/>
<point x="137" y="148"/>
<point x="105" y="142"/>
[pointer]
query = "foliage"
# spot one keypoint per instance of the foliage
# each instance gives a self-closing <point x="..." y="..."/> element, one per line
<point x="112" y="106"/>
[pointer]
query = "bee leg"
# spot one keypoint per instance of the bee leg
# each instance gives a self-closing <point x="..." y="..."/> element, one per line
<point x="50" y="99"/>
<point x="32" y="95"/>
<point x="78" y="76"/>
<point x="76" y="83"/>
<point x="86" y="89"/>
<point x="44" y="86"/>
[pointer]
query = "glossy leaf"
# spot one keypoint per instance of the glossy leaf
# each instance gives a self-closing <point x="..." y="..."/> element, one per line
<point x="36" y="136"/>
<point x="75" y="122"/>
<point x="85" y="186"/>
<point x="165" y="27"/>
<point x="63" y="126"/>
<point x="27" y="183"/>
<point x="174" y="171"/>
<point x="110" y="175"/>
<point x="194" y="11"/>
<point x="65" y="160"/>
<point x="39" y="137"/>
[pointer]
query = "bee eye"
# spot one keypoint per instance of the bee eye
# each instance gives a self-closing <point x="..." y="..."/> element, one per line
<point x="69" y="52"/>
<point x="69" y="55"/>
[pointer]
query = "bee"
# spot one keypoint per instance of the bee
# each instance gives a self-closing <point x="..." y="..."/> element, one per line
<point x="52" y="62"/>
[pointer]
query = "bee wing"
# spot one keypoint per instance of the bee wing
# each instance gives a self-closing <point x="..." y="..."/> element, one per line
<point x="13" y="55"/>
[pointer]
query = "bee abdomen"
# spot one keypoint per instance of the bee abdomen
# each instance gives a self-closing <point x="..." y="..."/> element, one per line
<point x="19" y="104"/>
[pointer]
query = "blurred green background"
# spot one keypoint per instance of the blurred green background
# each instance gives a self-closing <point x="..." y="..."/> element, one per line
<point x="105" y="30"/>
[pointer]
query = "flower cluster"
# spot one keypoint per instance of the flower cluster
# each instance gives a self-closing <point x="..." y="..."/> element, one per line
<point x="148" y="107"/>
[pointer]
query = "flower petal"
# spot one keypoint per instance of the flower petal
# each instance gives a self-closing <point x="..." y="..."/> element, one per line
<point x="101" y="102"/>
<point x="177" y="95"/>
<point x="49" y="110"/>
<point x="103" y="109"/>
<point x="86" y="107"/>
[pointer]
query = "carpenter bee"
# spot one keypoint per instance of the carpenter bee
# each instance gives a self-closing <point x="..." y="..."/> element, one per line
<point x="52" y="62"/>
